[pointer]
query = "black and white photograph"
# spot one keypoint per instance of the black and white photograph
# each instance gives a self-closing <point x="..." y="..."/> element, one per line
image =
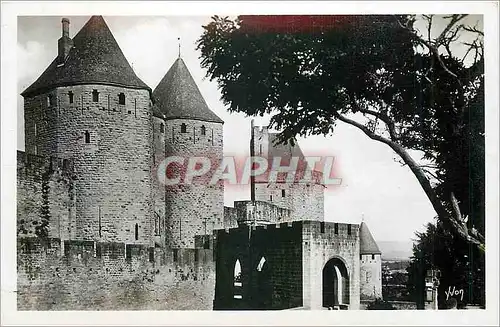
<point x="202" y="161"/>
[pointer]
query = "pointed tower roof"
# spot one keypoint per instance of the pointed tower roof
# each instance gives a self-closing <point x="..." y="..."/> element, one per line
<point x="367" y="244"/>
<point x="283" y="150"/>
<point x="95" y="58"/>
<point x="178" y="96"/>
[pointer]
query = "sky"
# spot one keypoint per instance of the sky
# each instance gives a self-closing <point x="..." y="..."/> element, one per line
<point x="375" y="187"/>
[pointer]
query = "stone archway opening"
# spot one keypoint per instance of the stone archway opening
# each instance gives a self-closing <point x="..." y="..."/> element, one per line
<point x="237" y="284"/>
<point x="335" y="284"/>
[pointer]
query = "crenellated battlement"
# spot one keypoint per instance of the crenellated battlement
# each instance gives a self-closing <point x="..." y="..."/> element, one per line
<point x="331" y="229"/>
<point x="71" y="274"/>
<point x="29" y="162"/>
<point x="259" y="212"/>
<point x="107" y="253"/>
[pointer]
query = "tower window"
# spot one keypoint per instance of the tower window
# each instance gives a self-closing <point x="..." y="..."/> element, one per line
<point x="283" y="193"/>
<point x="50" y="100"/>
<point x="271" y="197"/>
<point x="183" y="128"/>
<point x="260" y="149"/>
<point x="373" y="256"/>
<point x="322" y="226"/>
<point x="348" y="229"/>
<point x="162" y="128"/>
<point x="95" y="96"/>
<point x="121" y="98"/>
<point x="203" y="130"/>
<point x="136" y="232"/>
<point x="336" y="228"/>
<point x="70" y="95"/>
<point x="87" y="137"/>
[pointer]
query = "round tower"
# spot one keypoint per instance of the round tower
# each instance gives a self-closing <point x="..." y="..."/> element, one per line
<point x="89" y="105"/>
<point x="192" y="207"/>
<point x="370" y="265"/>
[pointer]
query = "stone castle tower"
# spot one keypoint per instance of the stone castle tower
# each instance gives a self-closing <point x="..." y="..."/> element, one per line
<point x="371" y="265"/>
<point x="190" y="130"/>
<point x="89" y="106"/>
<point x="304" y="200"/>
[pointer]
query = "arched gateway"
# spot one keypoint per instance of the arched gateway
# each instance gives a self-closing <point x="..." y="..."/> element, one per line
<point x="335" y="284"/>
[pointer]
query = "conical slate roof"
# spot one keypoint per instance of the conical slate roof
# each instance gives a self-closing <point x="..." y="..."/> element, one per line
<point x="178" y="96"/>
<point x="367" y="242"/>
<point x="95" y="58"/>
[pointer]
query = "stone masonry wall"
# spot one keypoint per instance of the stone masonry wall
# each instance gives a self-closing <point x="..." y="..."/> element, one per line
<point x="278" y="285"/>
<point x="111" y="146"/>
<point x="196" y="208"/>
<point x="45" y="196"/>
<point x="256" y="212"/>
<point x="305" y="201"/>
<point x="85" y="275"/>
<point x="370" y="276"/>
<point x="320" y="244"/>
<point x="159" y="227"/>
<point x="230" y="217"/>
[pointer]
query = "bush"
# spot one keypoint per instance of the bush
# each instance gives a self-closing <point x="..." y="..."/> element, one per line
<point x="380" y="304"/>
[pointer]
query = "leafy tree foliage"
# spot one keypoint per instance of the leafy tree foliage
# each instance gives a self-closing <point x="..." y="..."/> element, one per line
<point x="461" y="266"/>
<point x="377" y="73"/>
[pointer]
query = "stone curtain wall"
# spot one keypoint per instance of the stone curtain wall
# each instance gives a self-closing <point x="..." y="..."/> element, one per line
<point x="84" y="275"/>
<point x="45" y="196"/>
<point x="197" y="208"/>
<point x="113" y="189"/>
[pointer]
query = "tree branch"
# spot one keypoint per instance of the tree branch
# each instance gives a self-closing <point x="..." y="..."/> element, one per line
<point x="424" y="182"/>
<point x="433" y="49"/>
<point x="363" y="128"/>
<point x="432" y="174"/>
<point x="383" y="117"/>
